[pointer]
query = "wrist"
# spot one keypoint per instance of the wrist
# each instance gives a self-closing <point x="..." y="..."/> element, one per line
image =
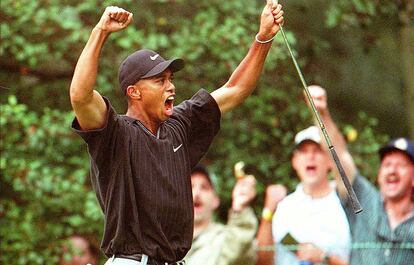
<point x="101" y="30"/>
<point x="325" y="113"/>
<point x="267" y="214"/>
<point x="270" y="206"/>
<point x="237" y="208"/>
<point x="264" y="38"/>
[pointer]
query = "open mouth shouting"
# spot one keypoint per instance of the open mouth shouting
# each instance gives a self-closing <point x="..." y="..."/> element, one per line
<point x="391" y="182"/>
<point x="197" y="206"/>
<point x="169" y="105"/>
<point x="310" y="170"/>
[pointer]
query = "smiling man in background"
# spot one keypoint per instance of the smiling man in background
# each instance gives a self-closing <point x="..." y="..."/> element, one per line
<point x="384" y="229"/>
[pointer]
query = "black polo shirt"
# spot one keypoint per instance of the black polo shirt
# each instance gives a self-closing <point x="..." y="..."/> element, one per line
<point x="142" y="181"/>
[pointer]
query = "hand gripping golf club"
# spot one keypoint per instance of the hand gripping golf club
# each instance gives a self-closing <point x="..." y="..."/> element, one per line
<point x="351" y="193"/>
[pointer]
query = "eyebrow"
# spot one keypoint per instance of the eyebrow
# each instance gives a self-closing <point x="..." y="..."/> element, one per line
<point x="162" y="75"/>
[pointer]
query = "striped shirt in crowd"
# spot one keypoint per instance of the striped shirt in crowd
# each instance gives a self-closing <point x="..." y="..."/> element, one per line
<point x="371" y="228"/>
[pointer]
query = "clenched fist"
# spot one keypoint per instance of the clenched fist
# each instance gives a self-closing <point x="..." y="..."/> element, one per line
<point x="244" y="192"/>
<point x="319" y="98"/>
<point x="114" y="19"/>
<point x="271" y="19"/>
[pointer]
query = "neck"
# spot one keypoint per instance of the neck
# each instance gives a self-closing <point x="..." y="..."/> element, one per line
<point x="399" y="210"/>
<point x="138" y="114"/>
<point x="318" y="190"/>
<point x="200" y="227"/>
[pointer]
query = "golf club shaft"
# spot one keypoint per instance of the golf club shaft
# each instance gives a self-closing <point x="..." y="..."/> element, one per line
<point x="351" y="193"/>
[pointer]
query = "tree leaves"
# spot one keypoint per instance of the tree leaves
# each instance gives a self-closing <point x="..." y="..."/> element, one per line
<point x="45" y="170"/>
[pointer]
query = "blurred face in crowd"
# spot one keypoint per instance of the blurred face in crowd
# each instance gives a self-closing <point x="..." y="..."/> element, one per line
<point x="77" y="252"/>
<point x="311" y="163"/>
<point x="204" y="198"/>
<point x="396" y="176"/>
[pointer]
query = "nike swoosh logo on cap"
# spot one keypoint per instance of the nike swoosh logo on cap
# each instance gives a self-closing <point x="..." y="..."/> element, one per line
<point x="175" y="149"/>
<point x="154" y="57"/>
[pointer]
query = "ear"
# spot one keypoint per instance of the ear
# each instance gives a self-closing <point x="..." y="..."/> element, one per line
<point x="412" y="183"/>
<point x="294" y="161"/>
<point x="216" y="202"/>
<point x="133" y="92"/>
<point x="331" y="163"/>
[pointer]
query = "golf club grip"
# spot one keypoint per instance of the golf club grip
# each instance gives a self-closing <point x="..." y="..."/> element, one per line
<point x="356" y="206"/>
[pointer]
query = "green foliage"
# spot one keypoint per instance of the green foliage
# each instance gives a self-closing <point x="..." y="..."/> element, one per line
<point x="365" y="145"/>
<point x="359" y="12"/>
<point x="46" y="194"/>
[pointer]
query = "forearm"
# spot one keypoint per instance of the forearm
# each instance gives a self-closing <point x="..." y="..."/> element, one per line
<point x="335" y="135"/>
<point x="244" y="79"/>
<point x="84" y="77"/>
<point x="340" y="145"/>
<point x="264" y="238"/>
<point x="274" y="194"/>
<point x="247" y="74"/>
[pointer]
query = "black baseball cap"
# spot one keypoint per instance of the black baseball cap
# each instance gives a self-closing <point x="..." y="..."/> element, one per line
<point x="399" y="144"/>
<point x="144" y="64"/>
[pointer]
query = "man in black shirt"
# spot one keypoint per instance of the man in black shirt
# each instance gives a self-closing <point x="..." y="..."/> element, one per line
<point x="141" y="161"/>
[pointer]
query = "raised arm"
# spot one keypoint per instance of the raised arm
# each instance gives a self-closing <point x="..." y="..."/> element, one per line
<point x="243" y="193"/>
<point x="242" y="225"/>
<point x="244" y="79"/>
<point x="274" y="194"/>
<point x="321" y="103"/>
<point x="88" y="104"/>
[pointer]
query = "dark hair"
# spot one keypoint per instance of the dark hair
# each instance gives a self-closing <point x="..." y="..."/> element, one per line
<point x="93" y="245"/>
<point x="202" y="169"/>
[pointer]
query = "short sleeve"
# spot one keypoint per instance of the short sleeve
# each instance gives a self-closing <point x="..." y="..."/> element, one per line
<point x="89" y="135"/>
<point x="104" y="142"/>
<point x="203" y="117"/>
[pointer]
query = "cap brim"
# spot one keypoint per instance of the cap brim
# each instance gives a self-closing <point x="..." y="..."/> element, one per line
<point x="306" y="141"/>
<point x="389" y="148"/>
<point x="174" y="65"/>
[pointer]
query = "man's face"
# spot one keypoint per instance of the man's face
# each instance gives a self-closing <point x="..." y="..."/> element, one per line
<point x="157" y="96"/>
<point x="204" y="198"/>
<point x="396" y="176"/>
<point x="78" y="251"/>
<point x="311" y="163"/>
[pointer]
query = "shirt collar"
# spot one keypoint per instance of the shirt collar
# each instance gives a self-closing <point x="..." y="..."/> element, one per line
<point x="139" y="123"/>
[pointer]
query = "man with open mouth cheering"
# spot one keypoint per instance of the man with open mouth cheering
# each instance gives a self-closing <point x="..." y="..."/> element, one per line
<point x="141" y="161"/>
